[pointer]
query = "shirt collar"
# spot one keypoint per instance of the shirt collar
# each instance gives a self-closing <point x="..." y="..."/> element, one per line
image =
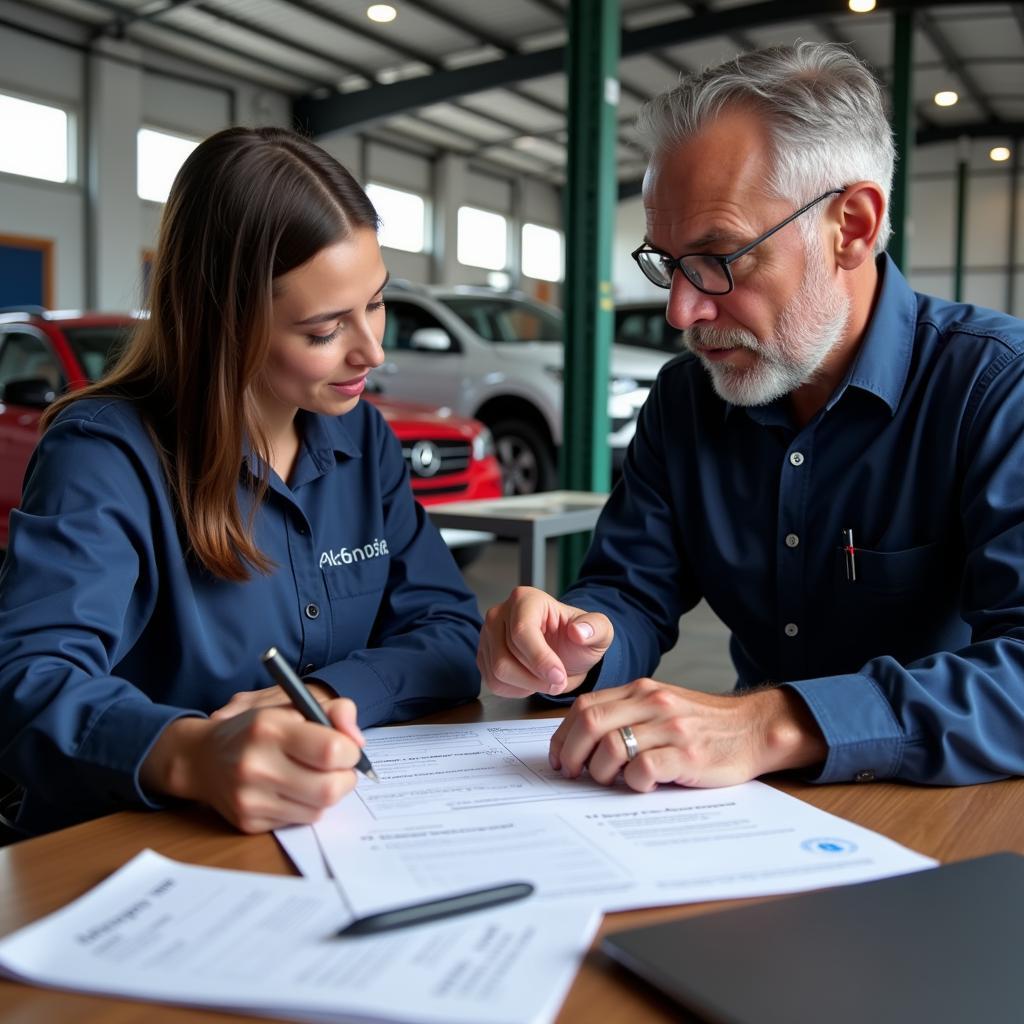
<point x="882" y="362"/>
<point x="322" y="439"/>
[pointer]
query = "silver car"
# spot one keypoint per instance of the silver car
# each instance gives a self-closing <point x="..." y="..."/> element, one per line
<point x="498" y="357"/>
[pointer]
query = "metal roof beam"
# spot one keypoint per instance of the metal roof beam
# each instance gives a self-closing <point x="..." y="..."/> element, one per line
<point x="358" y="108"/>
<point x="994" y="128"/>
<point x="953" y="62"/>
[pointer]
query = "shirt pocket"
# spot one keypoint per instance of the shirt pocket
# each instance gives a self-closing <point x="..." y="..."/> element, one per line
<point x="356" y="592"/>
<point x="894" y="574"/>
<point x="892" y="608"/>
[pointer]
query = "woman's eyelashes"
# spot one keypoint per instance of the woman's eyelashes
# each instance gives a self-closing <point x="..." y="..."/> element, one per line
<point x="324" y="339"/>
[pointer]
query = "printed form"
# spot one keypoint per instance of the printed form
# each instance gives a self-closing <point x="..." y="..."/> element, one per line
<point x="462" y="806"/>
<point x="161" y="930"/>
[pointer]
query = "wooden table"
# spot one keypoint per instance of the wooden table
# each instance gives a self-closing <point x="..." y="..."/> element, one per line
<point x="40" y="875"/>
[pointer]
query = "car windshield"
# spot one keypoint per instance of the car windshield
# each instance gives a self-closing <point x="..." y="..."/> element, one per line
<point x="647" y="327"/>
<point x="96" y="348"/>
<point x="504" y="320"/>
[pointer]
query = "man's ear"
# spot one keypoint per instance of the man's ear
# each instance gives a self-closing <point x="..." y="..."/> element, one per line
<point x="858" y="219"/>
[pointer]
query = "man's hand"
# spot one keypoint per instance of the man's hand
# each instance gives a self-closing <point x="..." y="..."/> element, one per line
<point x="268" y="697"/>
<point x="686" y="737"/>
<point x="261" y="769"/>
<point x="532" y="643"/>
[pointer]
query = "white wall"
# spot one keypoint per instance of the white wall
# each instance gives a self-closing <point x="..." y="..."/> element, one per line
<point x="110" y="99"/>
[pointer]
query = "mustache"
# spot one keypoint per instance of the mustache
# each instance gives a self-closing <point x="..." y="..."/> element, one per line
<point x="712" y="338"/>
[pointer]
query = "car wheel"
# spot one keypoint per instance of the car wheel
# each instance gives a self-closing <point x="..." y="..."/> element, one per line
<point x="527" y="461"/>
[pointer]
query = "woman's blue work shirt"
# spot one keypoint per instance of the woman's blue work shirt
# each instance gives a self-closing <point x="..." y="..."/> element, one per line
<point x="108" y="631"/>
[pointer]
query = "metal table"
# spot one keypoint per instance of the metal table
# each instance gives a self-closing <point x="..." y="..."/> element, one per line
<point x="529" y="518"/>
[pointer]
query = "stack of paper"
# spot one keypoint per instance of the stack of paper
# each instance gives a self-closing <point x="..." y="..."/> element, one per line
<point x="265" y="944"/>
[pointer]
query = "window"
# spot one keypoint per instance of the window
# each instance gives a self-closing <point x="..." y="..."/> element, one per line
<point x="482" y="240"/>
<point x="36" y="140"/>
<point x="160" y="156"/>
<point x="26" y="357"/>
<point x="404" y="318"/>
<point x="542" y="253"/>
<point x="403" y="218"/>
<point x="507" y="319"/>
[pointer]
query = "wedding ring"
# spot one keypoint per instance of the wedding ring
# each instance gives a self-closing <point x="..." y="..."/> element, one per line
<point x="632" y="747"/>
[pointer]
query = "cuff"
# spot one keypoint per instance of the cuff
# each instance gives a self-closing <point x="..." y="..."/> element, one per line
<point x="373" y="698"/>
<point x="865" y="741"/>
<point x="120" y="740"/>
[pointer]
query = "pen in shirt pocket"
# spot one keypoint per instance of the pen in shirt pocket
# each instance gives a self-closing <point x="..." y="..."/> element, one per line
<point x="851" y="555"/>
<point x="281" y="672"/>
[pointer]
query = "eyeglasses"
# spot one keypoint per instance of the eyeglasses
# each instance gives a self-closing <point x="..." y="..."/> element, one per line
<point x="706" y="271"/>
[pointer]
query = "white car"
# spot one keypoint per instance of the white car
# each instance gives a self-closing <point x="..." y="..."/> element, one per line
<point x="498" y="357"/>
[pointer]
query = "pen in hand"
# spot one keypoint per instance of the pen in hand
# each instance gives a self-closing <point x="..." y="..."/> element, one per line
<point x="281" y="672"/>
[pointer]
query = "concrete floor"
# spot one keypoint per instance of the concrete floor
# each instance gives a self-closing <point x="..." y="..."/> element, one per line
<point x="700" y="660"/>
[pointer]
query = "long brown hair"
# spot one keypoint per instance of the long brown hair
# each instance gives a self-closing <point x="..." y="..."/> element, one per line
<point x="248" y="205"/>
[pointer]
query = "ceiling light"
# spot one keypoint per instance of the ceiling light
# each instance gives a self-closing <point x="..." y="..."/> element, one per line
<point x="946" y="98"/>
<point x="862" y="6"/>
<point x="382" y="13"/>
<point x="999" y="154"/>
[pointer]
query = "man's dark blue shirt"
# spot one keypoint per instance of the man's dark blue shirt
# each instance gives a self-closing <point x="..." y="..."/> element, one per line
<point x="109" y="629"/>
<point x="915" y="670"/>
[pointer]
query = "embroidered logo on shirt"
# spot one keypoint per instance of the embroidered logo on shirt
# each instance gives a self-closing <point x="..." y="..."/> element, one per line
<point x="346" y="556"/>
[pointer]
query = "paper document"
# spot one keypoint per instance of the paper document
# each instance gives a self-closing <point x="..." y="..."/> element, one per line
<point x="235" y="940"/>
<point x="478" y="804"/>
<point x="300" y="844"/>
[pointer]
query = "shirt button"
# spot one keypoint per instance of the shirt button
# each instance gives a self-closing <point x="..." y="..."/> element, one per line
<point x="306" y="669"/>
<point x="867" y="775"/>
<point x="797" y="458"/>
<point x="792" y="540"/>
<point x="312" y="611"/>
<point x="791" y="629"/>
<point x="301" y="529"/>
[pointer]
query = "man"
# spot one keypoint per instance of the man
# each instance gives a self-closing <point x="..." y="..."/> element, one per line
<point x="836" y="466"/>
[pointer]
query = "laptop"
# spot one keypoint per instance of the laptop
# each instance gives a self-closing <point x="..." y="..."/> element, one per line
<point x="939" y="946"/>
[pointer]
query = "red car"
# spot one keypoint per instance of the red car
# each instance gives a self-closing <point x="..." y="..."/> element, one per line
<point x="43" y="353"/>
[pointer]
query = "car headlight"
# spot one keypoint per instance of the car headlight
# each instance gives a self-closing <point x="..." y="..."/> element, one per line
<point x="623" y="385"/>
<point x="483" y="445"/>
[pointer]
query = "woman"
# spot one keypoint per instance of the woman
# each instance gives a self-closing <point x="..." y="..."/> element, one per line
<point x="221" y="490"/>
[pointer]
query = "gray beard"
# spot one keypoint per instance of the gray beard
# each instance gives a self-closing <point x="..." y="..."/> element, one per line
<point x="809" y="329"/>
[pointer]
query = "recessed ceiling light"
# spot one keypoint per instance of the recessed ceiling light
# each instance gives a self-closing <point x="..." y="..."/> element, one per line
<point x="999" y="154"/>
<point x="862" y="6"/>
<point x="382" y="13"/>
<point x="946" y="98"/>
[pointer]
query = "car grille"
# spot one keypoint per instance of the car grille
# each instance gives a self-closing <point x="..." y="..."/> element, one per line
<point x="429" y="459"/>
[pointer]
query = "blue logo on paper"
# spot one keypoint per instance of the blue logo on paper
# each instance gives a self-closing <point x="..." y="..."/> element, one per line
<point x="828" y="846"/>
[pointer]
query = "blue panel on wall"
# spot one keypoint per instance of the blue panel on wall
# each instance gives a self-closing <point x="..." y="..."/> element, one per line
<point x="21" y="276"/>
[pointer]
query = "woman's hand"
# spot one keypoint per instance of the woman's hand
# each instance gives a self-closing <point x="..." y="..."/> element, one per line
<point x="269" y="697"/>
<point x="261" y="768"/>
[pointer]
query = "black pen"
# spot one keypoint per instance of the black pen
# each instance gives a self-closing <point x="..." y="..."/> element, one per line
<point x="282" y="674"/>
<point x="850" y="550"/>
<point x="434" y="910"/>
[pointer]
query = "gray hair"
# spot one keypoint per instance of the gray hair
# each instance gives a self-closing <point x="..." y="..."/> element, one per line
<point x="824" y="110"/>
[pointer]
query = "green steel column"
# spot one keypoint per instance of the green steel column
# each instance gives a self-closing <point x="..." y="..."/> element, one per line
<point x="961" y="229"/>
<point x="1011" y="247"/>
<point x="903" y="132"/>
<point x="593" y="62"/>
